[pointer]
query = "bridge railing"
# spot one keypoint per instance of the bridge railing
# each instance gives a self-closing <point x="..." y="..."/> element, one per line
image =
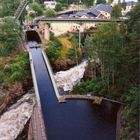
<point x="34" y="78"/>
<point x="51" y="74"/>
<point x="20" y="9"/>
<point x="77" y="20"/>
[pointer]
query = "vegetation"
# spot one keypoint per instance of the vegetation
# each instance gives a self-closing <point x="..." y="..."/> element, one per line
<point x="100" y="1"/>
<point x="63" y="52"/>
<point x="116" y="12"/>
<point x="10" y="36"/>
<point x="14" y="65"/>
<point x="59" y="7"/>
<point x="119" y="61"/>
<point x="68" y="2"/>
<point x="37" y="8"/>
<point x="49" y="13"/>
<point x="53" y="48"/>
<point x="8" y="8"/>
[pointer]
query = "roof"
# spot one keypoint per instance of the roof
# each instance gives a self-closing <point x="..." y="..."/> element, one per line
<point x="80" y="14"/>
<point x="104" y="7"/>
<point x="93" y="11"/>
<point x="130" y="3"/>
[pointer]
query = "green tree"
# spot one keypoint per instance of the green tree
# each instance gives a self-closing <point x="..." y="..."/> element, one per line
<point x="59" y="7"/>
<point x="116" y="12"/>
<point x="110" y="1"/>
<point x="54" y="48"/>
<point x="8" y="8"/>
<point x="49" y="13"/>
<point x="10" y="35"/>
<point x="109" y="47"/>
<point x="100" y="1"/>
<point x="68" y="2"/>
<point x="37" y="8"/>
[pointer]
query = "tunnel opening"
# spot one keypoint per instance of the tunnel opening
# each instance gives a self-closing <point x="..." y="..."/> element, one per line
<point x="33" y="36"/>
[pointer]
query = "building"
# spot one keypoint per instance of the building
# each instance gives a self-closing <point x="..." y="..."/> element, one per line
<point x="105" y="10"/>
<point x="102" y="11"/>
<point x="130" y="5"/>
<point x="50" y="4"/>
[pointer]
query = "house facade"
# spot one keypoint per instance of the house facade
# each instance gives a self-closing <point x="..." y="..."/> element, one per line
<point x="50" y="4"/>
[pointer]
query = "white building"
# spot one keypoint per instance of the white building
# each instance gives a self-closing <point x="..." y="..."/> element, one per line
<point x="130" y="5"/>
<point x="50" y="4"/>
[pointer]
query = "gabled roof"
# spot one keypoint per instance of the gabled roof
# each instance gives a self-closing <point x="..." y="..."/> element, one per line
<point x="80" y="14"/>
<point x="93" y="11"/>
<point x="104" y="7"/>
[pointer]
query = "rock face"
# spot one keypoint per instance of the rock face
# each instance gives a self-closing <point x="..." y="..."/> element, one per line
<point x="13" y="121"/>
<point x="67" y="79"/>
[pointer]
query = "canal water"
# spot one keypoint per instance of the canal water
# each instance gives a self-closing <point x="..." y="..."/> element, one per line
<point x="75" y="119"/>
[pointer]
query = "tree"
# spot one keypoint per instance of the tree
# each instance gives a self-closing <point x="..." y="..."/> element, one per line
<point x="58" y="7"/>
<point x="133" y="41"/>
<point x="37" y="8"/>
<point x="10" y="35"/>
<point x="54" y="48"/>
<point x="8" y="8"/>
<point x="68" y="2"/>
<point x="49" y="13"/>
<point x="109" y="47"/>
<point x="100" y="1"/>
<point x="88" y="2"/>
<point x="116" y="12"/>
<point x="110" y="1"/>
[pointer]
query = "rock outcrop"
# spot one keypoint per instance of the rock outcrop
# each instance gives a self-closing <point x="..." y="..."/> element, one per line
<point x="67" y="79"/>
<point x="13" y="121"/>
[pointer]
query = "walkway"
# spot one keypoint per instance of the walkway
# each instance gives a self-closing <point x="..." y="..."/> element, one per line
<point x="37" y="128"/>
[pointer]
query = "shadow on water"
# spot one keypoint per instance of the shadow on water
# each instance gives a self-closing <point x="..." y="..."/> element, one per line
<point x="75" y="119"/>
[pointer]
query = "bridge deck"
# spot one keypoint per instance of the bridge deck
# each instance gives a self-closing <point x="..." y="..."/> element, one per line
<point x="77" y="20"/>
<point x="37" y="128"/>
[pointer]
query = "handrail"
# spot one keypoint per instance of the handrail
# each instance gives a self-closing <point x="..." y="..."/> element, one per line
<point x="20" y="9"/>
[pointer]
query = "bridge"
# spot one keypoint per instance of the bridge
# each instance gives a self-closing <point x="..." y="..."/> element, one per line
<point x="50" y="118"/>
<point x="76" y="20"/>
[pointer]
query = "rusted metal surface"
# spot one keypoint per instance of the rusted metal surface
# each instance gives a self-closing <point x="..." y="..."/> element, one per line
<point x="37" y="129"/>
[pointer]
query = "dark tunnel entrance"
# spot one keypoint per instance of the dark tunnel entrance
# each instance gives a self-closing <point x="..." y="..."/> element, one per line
<point x="33" y="36"/>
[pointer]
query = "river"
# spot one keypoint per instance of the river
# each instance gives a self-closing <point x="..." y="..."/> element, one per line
<point x="75" y="119"/>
